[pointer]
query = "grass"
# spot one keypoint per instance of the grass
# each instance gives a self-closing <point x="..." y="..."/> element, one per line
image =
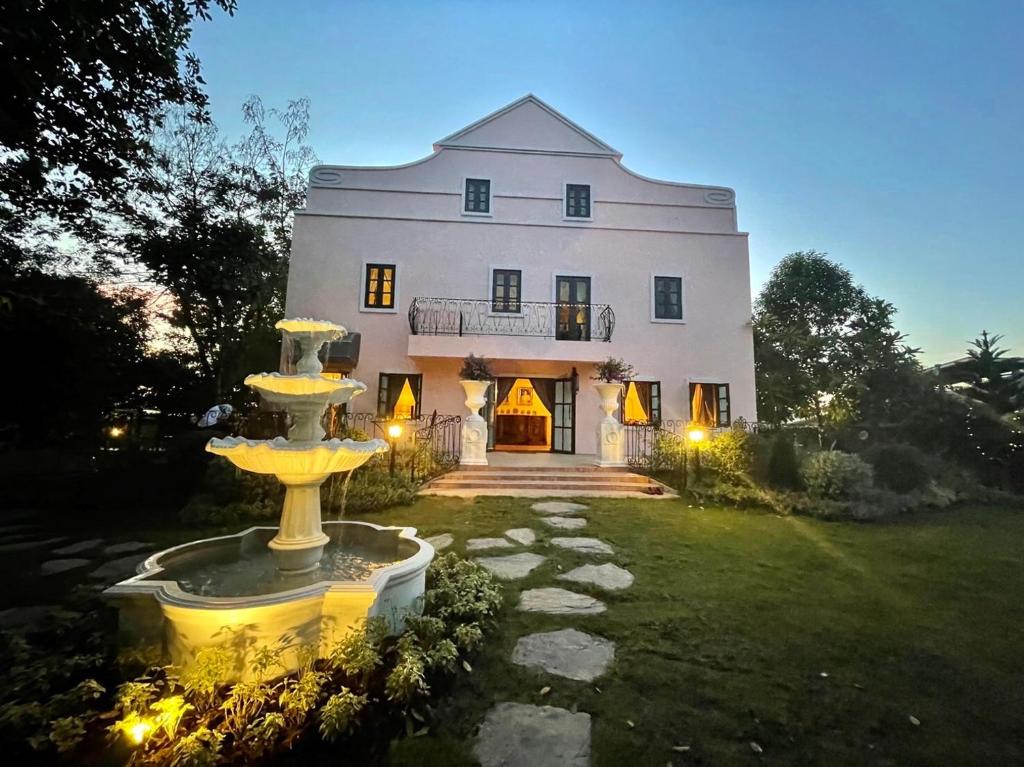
<point x="817" y="641"/>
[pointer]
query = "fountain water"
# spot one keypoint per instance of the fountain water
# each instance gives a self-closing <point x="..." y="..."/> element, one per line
<point x="299" y="584"/>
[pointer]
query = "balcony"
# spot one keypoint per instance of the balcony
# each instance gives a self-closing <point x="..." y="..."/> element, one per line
<point x="540" y="330"/>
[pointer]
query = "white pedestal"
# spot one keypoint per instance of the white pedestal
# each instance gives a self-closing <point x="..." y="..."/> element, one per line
<point x="611" y="444"/>
<point x="474" y="442"/>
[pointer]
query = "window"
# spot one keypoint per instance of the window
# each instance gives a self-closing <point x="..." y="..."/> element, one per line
<point x="379" y="289"/>
<point x="668" y="298"/>
<point x="577" y="201"/>
<point x="506" y="290"/>
<point x="709" y="404"/>
<point x="398" y="395"/>
<point x="641" y="403"/>
<point x="478" y="196"/>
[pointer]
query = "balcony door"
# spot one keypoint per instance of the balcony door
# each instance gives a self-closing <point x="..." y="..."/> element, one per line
<point x="573" y="310"/>
<point x="563" y="417"/>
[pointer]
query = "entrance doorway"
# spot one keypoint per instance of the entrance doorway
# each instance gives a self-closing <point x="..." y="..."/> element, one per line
<point x="531" y="415"/>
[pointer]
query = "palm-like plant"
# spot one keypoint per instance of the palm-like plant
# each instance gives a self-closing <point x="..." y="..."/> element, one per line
<point x="988" y="375"/>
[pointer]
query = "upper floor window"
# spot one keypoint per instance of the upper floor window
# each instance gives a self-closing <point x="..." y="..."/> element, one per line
<point x="577" y="200"/>
<point x="379" y="288"/>
<point x="641" y="402"/>
<point x="710" y="405"/>
<point x="506" y="290"/>
<point x="398" y="395"/>
<point x="477" y="198"/>
<point x="668" y="298"/>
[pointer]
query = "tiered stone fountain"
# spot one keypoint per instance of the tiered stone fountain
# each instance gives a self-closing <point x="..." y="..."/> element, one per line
<point x="312" y="582"/>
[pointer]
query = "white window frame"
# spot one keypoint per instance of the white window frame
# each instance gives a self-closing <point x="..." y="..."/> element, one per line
<point x="565" y="192"/>
<point x="462" y="197"/>
<point x="682" y="299"/>
<point x="396" y="292"/>
<point x="490" y="289"/>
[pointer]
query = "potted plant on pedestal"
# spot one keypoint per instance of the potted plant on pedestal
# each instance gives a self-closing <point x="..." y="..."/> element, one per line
<point x="611" y="376"/>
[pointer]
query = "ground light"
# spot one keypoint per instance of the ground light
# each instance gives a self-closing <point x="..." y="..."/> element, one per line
<point x="394" y="432"/>
<point x="696" y="436"/>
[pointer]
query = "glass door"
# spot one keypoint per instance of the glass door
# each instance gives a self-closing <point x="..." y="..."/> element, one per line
<point x="563" y="419"/>
<point x="573" y="310"/>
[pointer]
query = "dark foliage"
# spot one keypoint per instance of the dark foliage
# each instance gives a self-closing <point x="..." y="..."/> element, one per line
<point x="900" y="468"/>
<point x="783" y="466"/>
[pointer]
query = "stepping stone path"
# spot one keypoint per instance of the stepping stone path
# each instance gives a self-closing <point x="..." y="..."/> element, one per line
<point x="476" y="544"/>
<point x="128" y="547"/>
<point x="565" y="523"/>
<point x="56" y="566"/>
<point x="12" y="548"/>
<point x="117" y="569"/>
<point x="567" y="653"/>
<point x="583" y="545"/>
<point x="442" y="541"/>
<point x="609" y="577"/>
<point x="513" y="566"/>
<point x="557" y="507"/>
<point x="520" y="735"/>
<point x="559" y="602"/>
<point x="522" y="535"/>
<point x="78" y="548"/>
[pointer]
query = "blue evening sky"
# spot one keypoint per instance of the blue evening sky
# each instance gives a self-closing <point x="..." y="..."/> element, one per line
<point x="889" y="134"/>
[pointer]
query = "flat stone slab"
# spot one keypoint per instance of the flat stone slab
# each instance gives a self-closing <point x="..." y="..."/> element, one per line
<point x="521" y="735"/>
<point x="117" y="569"/>
<point x="555" y="601"/>
<point x="609" y="577"/>
<point x="568" y="653"/>
<point x="11" y="548"/>
<point x="442" y="541"/>
<point x="565" y="523"/>
<point x="78" y="548"/>
<point x="477" y="544"/>
<point x="557" y="507"/>
<point x="25" y="617"/>
<point x="583" y="545"/>
<point x="56" y="566"/>
<point x="513" y="566"/>
<point x="126" y="548"/>
<point x="522" y="535"/>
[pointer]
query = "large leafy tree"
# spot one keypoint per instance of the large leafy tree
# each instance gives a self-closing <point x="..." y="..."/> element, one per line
<point x="84" y="85"/>
<point x="824" y="348"/>
<point x="212" y="226"/>
<point x="988" y="375"/>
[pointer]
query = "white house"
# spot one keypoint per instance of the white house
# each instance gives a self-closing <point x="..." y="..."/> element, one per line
<point x="524" y="239"/>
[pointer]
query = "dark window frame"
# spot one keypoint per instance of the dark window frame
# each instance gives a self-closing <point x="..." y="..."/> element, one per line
<point x="654" y="417"/>
<point x="478" y="198"/>
<point x="378" y="291"/>
<point x="723" y="416"/>
<point x="661" y="307"/>
<point x="577" y="203"/>
<point x="506" y="304"/>
<point x="384" y="381"/>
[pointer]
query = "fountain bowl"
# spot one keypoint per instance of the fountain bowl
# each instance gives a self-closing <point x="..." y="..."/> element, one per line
<point x="296" y="459"/>
<point x="227" y="592"/>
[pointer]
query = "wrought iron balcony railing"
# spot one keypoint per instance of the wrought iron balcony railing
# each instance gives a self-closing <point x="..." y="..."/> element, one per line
<point x="477" y="317"/>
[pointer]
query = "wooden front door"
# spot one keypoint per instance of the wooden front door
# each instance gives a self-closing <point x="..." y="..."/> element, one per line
<point x="573" y="310"/>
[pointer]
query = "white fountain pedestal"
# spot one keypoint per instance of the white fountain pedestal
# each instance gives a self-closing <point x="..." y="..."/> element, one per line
<point x="300" y="541"/>
<point x="611" y="442"/>
<point x="474" y="428"/>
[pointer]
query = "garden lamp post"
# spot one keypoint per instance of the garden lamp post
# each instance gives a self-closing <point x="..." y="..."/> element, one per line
<point x="394" y="432"/>
<point x="696" y="436"/>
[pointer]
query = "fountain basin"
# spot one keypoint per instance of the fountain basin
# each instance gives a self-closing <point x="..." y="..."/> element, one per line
<point x="228" y="592"/>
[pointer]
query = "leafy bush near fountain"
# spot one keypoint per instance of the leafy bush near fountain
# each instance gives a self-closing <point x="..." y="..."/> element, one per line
<point x="227" y="496"/>
<point x="371" y="489"/>
<point x="66" y="696"/>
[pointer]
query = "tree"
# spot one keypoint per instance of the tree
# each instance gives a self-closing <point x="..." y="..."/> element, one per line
<point x="212" y="225"/>
<point x="988" y="375"/>
<point x="824" y="348"/>
<point x="85" y="84"/>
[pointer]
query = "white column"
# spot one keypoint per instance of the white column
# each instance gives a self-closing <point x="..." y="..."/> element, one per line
<point x="611" y="438"/>
<point x="474" y="427"/>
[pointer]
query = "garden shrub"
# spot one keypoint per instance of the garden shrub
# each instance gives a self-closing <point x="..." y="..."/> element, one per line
<point x="369" y="689"/>
<point x="783" y="466"/>
<point x="730" y="455"/>
<point x="227" y="495"/>
<point x="369" y="489"/>
<point x="900" y="468"/>
<point x="834" y="474"/>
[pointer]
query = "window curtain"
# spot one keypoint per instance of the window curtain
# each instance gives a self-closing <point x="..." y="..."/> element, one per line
<point x="545" y="388"/>
<point x="702" y="406"/>
<point x="395" y="385"/>
<point x="504" y="388"/>
<point x="643" y="392"/>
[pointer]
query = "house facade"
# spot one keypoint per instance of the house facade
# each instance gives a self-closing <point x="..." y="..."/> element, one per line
<point x="523" y="238"/>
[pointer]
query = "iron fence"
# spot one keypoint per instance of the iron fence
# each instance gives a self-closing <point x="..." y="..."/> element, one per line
<point x="476" y="317"/>
<point x="429" y="445"/>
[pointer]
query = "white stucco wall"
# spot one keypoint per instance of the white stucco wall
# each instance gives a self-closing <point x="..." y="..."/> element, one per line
<point x="411" y="216"/>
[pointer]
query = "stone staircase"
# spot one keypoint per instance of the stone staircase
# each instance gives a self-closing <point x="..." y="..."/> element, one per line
<point x="546" y="482"/>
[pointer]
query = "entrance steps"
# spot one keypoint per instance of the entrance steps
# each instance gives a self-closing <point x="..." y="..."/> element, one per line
<point x="546" y="482"/>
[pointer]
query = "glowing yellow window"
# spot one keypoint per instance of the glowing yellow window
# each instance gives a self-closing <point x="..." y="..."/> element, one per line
<point x="379" y="290"/>
<point x="642" y="402"/>
<point x="405" y="406"/>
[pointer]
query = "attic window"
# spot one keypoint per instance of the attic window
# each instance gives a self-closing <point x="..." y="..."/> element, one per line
<point x="478" y="196"/>
<point x="577" y="200"/>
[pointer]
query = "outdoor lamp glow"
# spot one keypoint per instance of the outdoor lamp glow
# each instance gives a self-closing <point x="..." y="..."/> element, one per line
<point x="395" y="431"/>
<point x="139" y="731"/>
<point x="695" y="435"/>
<point x="116" y="431"/>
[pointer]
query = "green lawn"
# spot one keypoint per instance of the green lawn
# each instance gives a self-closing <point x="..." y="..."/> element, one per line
<point x="818" y="641"/>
